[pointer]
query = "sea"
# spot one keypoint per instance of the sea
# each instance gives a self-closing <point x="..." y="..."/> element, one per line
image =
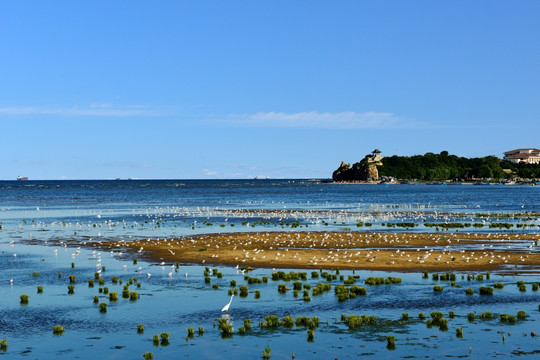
<point x="46" y="227"/>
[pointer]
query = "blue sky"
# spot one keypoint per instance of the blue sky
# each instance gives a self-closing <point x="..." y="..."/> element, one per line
<point x="237" y="89"/>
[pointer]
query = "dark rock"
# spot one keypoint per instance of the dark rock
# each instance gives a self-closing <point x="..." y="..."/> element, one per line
<point x="364" y="170"/>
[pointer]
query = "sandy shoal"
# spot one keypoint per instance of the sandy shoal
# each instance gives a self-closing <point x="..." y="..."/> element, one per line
<point x="353" y="250"/>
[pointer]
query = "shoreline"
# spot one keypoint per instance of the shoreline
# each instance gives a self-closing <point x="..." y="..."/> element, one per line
<point x="410" y="182"/>
<point x="400" y="252"/>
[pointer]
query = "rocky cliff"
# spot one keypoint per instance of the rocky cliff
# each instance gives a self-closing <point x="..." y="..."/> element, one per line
<point x="363" y="170"/>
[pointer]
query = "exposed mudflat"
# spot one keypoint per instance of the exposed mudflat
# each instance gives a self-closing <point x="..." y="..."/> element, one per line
<point x="345" y="250"/>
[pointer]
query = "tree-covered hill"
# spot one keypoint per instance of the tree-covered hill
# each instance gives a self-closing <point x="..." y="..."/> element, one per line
<point x="443" y="166"/>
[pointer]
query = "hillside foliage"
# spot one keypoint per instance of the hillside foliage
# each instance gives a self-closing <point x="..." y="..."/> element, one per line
<point x="443" y="166"/>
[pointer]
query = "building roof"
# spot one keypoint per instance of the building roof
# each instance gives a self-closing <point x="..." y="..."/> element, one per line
<point x="520" y="150"/>
<point x="521" y="156"/>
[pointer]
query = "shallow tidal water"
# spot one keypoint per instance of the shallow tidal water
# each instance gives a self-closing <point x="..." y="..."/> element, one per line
<point x="174" y="303"/>
<point x="39" y="217"/>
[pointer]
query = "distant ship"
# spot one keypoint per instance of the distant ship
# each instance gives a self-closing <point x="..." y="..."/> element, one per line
<point x="22" y="178"/>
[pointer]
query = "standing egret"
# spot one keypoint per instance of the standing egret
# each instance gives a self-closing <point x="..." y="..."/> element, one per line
<point x="226" y="307"/>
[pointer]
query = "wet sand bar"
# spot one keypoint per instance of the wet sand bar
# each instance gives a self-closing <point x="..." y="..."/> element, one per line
<point x="345" y="250"/>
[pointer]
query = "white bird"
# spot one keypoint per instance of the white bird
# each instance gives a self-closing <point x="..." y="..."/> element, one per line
<point x="226" y="307"/>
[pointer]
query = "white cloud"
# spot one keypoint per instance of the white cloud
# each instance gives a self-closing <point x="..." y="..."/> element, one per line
<point x="92" y="110"/>
<point x="315" y="119"/>
<point x="208" y="172"/>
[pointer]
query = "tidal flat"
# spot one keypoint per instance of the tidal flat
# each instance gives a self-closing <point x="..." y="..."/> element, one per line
<point x="129" y="269"/>
<point x="346" y="250"/>
<point x="174" y="297"/>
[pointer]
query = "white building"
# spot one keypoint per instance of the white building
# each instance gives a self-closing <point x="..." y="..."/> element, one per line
<point x="528" y="156"/>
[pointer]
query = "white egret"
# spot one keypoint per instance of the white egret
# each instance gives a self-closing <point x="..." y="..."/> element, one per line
<point x="226" y="307"/>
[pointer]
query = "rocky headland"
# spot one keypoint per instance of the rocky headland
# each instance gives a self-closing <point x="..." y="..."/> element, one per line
<point x="365" y="170"/>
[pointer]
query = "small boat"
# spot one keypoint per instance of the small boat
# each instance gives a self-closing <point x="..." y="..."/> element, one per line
<point x="22" y="178"/>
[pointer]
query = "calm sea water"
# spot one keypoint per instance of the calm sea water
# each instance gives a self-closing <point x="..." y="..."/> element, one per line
<point x="264" y="194"/>
<point x="71" y="208"/>
<point x="38" y="217"/>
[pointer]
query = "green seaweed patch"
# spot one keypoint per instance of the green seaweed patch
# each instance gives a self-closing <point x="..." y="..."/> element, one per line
<point x="486" y="290"/>
<point x="390" y="342"/>
<point x="380" y="281"/>
<point x="58" y="329"/>
<point x="103" y="307"/>
<point x="354" y="321"/>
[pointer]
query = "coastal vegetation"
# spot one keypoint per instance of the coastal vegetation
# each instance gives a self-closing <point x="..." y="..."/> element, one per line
<point x="391" y="342"/>
<point x="164" y="336"/>
<point x="103" y="307"/>
<point x="443" y="166"/>
<point x="58" y="329"/>
<point x="267" y="352"/>
<point x="486" y="290"/>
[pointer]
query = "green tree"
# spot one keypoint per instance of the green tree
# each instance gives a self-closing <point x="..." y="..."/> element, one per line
<point x="484" y="171"/>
